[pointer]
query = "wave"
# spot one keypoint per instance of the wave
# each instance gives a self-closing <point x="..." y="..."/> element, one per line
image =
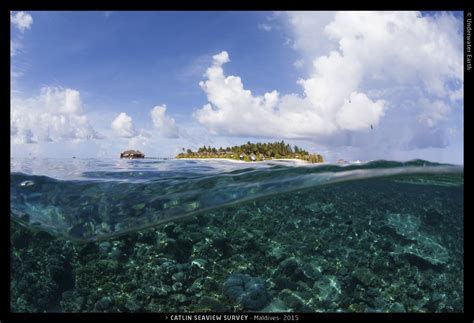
<point x="104" y="201"/>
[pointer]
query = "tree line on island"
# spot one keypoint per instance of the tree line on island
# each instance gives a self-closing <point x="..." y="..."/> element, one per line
<point x="254" y="152"/>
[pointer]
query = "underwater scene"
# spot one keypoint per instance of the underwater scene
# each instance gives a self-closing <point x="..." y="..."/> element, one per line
<point x="90" y="235"/>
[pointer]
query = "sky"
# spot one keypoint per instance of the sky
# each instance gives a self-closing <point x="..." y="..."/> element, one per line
<point x="347" y="85"/>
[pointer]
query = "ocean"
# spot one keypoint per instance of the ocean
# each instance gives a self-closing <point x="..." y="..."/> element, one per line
<point x="150" y="235"/>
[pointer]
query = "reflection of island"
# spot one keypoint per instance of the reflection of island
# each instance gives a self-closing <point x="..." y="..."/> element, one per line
<point x="254" y="152"/>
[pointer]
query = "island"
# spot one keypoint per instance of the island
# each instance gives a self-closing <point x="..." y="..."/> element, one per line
<point x="254" y="152"/>
<point x="132" y="154"/>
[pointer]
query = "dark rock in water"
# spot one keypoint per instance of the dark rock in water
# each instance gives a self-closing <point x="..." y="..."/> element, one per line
<point x="104" y="246"/>
<point x="178" y="277"/>
<point x="177" y="287"/>
<point x="397" y="308"/>
<point x="178" y="298"/>
<point x="103" y="304"/>
<point x="292" y="269"/>
<point x="246" y="290"/>
<point x="292" y="299"/>
<point x="284" y="283"/>
<point x="222" y="243"/>
<point x="364" y="276"/>
<point x="171" y="230"/>
<point x="132" y="305"/>
<point x="20" y="239"/>
<point x="288" y="266"/>
<point x="432" y="216"/>
<point x="71" y="302"/>
<point x="213" y="304"/>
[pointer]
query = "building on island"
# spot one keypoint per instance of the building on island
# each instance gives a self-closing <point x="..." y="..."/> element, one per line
<point x="131" y="154"/>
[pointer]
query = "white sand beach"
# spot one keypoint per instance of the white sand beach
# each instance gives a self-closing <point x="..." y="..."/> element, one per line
<point x="225" y="159"/>
<point x="293" y="160"/>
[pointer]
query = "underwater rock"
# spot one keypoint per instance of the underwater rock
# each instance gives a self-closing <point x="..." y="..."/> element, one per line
<point x="293" y="269"/>
<point x="397" y="308"/>
<point x="246" y="290"/>
<point x="222" y="243"/>
<point x="163" y="290"/>
<point x="104" y="246"/>
<point x="288" y="266"/>
<point x="179" y="298"/>
<point x="284" y="283"/>
<point x="133" y="305"/>
<point x="364" y="276"/>
<point x="178" y="277"/>
<point x="424" y="249"/>
<point x="20" y="239"/>
<point x="72" y="302"/>
<point x="276" y="306"/>
<point x="212" y="304"/>
<point x="139" y="207"/>
<point x="198" y="263"/>
<point x="292" y="299"/>
<point x="147" y="237"/>
<point x="359" y="308"/>
<point x="177" y="249"/>
<point x="195" y="236"/>
<point x="436" y="301"/>
<point x="277" y="252"/>
<point x="432" y="216"/>
<point x="176" y="287"/>
<point x="196" y="287"/>
<point x="103" y="304"/>
<point x="328" y="289"/>
<point x="172" y="230"/>
<point x="425" y="252"/>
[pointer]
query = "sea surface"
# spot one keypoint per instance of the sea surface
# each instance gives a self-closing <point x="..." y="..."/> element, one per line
<point x="150" y="235"/>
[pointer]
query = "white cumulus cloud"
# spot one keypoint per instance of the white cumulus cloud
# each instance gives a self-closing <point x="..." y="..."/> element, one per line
<point x="165" y="124"/>
<point x="123" y="126"/>
<point x="21" y="20"/>
<point x="353" y="55"/>
<point x="221" y="58"/>
<point x="348" y="116"/>
<point x="233" y="110"/>
<point x="56" y="114"/>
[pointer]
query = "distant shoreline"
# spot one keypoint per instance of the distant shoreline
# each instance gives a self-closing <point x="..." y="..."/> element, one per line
<point x="296" y="160"/>
<point x="226" y="159"/>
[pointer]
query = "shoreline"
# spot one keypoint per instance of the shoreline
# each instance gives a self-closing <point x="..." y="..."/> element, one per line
<point x="296" y="160"/>
<point x="226" y="159"/>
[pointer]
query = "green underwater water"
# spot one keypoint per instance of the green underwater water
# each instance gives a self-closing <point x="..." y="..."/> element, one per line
<point x="383" y="244"/>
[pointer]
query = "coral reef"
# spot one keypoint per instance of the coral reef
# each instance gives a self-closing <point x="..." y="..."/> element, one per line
<point x="377" y="245"/>
<point x="247" y="291"/>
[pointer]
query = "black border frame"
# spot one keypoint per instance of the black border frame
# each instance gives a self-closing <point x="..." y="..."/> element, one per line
<point x="139" y="5"/>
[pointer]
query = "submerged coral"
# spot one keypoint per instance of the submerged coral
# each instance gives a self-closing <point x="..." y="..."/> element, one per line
<point x="423" y="246"/>
<point x="248" y="291"/>
<point x="361" y="246"/>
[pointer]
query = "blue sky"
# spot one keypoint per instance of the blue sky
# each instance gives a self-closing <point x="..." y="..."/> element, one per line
<point x="92" y="84"/>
